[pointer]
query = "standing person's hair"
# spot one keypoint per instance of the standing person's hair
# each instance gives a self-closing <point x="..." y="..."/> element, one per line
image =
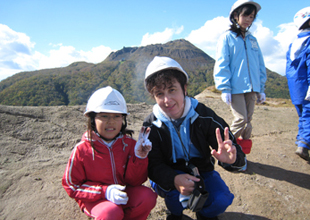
<point x="246" y="9"/>
<point x="305" y="25"/>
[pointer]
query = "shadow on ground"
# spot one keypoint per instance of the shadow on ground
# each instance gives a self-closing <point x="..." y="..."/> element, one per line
<point x="298" y="179"/>
<point x="233" y="216"/>
<point x="238" y="216"/>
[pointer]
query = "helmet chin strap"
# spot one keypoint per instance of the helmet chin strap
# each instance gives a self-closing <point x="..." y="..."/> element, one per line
<point x="106" y="139"/>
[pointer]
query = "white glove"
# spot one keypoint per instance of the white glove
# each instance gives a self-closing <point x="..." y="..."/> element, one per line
<point x="115" y="194"/>
<point x="143" y="145"/>
<point x="308" y="94"/>
<point x="184" y="200"/>
<point x="261" y="98"/>
<point x="226" y="97"/>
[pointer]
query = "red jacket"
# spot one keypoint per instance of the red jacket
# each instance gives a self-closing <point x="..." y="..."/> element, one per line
<point x="89" y="172"/>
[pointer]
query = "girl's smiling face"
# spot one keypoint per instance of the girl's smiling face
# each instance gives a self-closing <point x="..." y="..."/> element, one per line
<point x="171" y="99"/>
<point x="108" y="125"/>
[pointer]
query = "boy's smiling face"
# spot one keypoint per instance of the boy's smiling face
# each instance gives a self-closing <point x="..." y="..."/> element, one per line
<point x="171" y="99"/>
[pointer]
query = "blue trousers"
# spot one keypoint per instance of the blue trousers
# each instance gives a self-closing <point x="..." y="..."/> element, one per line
<point x="303" y="136"/>
<point x="219" y="196"/>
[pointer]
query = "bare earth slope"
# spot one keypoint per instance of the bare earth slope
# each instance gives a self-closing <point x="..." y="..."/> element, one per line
<point x="36" y="143"/>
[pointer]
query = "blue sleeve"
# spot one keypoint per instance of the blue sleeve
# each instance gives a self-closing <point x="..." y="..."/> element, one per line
<point x="288" y="59"/>
<point x="308" y="64"/>
<point x="222" y="73"/>
<point x="262" y="70"/>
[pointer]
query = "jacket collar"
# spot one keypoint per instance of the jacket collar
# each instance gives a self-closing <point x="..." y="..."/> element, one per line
<point x="189" y="111"/>
<point x="304" y="33"/>
<point x="235" y="34"/>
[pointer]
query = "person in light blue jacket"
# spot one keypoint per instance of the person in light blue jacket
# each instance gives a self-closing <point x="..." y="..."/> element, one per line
<point x="239" y="71"/>
<point x="298" y="79"/>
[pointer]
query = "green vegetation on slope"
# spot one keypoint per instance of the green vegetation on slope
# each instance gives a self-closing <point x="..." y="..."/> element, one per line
<point x="123" y="70"/>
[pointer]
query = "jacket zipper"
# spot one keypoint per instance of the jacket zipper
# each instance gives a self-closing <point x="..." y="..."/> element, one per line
<point x="186" y="153"/>
<point x="247" y="59"/>
<point x="113" y="165"/>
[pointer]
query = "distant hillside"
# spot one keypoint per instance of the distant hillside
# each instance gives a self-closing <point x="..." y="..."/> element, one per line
<point x="123" y="70"/>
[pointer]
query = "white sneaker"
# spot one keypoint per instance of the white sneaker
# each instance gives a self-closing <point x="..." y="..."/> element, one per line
<point x="302" y="152"/>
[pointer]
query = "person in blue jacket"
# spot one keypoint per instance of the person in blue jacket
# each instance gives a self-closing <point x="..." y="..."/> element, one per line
<point x="239" y="70"/>
<point x="298" y="78"/>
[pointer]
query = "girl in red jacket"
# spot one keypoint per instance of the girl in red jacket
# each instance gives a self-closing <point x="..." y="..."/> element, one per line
<point x="107" y="167"/>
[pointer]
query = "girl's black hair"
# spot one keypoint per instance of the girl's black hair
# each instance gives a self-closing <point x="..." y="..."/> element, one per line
<point x="245" y="9"/>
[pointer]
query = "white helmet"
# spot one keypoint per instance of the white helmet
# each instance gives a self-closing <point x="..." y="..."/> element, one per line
<point x="106" y="100"/>
<point x="161" y="63"/>
<point x="302" y="17"/>
<point x="243" y="2"/>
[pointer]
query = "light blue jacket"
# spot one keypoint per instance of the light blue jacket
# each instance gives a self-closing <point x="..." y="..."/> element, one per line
<point x="177" y="151"/>
<point x="239" y="65"/>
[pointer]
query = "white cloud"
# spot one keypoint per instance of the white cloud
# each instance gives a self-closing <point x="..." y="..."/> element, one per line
<point x="274" y="48"/>
<point x="207" y="36"/>
<point x="17" y="54"/>
<point x="13" y="42"/>
<point x="55" y="45"/>
<point x="7" y="72"/>
<point x="65" y="55"/>
<point x="160" y="37"/>
<point x="12" y="45"/>
<point x="288" y="32"/>
<point x="97" y="54"/>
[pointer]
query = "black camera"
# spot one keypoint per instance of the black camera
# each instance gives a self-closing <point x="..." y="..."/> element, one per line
<point x="200" y="194"/>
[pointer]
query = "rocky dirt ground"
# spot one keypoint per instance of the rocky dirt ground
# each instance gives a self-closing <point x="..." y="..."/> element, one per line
<point x="36" y="143"/>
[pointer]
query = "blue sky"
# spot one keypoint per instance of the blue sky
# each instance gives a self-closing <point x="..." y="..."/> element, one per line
<point x="37" y="34"/>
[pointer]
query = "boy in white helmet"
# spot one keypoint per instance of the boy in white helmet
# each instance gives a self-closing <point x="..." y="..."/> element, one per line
<point x="106" y="169"/>
<point x="239" y="70"/>
<point x="298" y="78"/>
<point x="186" y="133"/>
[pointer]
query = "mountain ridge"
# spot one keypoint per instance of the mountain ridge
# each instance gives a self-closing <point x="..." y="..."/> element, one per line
<point x="123" y="70"/>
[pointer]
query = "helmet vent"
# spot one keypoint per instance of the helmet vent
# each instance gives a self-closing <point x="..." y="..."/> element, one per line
<point x="112" y="103"/>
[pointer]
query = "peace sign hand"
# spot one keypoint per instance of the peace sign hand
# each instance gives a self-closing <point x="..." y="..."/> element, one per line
<point x="226" y="152"/>
<point x="143" y="145"/>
